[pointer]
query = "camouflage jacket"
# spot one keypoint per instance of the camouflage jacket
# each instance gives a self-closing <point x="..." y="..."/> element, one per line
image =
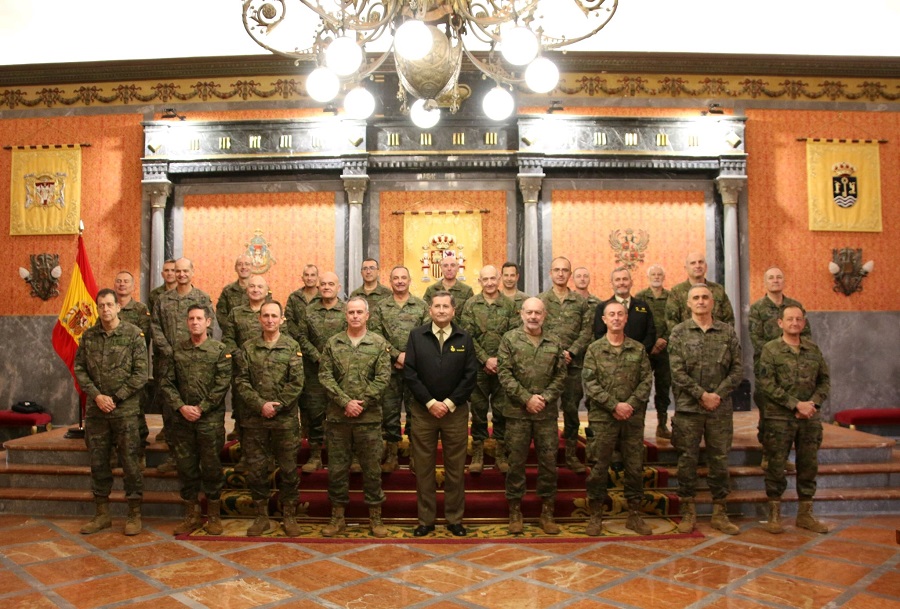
<point x="487" y="322"/>
<point x="169" y="319"/>
<point x="374" y="297"/>
<point x="355" y="373"/>
<point x="570" y="321"/>
<point x="321" y="324"/>
<point x="295" y="315"/>
<point x="704" y="362"/>
<point x="612" y="375"/>
<point x="519" y="299"/>
<point x="113" y="364"/>
<point x="136" y="313"/>
<point x="200" y="377"/>
<point x="241" y="325"/>
<point x="677" y="310"/>
<point x="786" y="377"/>
<point x="658" y="308"/>
<point x="764" y="315"/>
<point x="526" y="370"/>
<point x="232" y="295"/>
<point x="461" y="293"/>
<point x="394" y="322"/>
<point x="154" y="295"/>
<point x="269" y="374"/>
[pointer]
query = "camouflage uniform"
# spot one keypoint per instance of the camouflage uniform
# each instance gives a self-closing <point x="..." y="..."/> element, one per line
<point x="703" y="361"/>
<point x="240" y="325"/>
<point x="461" y="293"/>
<point x="785" y="378"/>
<point x="114" y="364"/>
<point x="154" y="295"/>
<point x="321" y="324"/>
<point x="612" y="375"/>
<point x="295" y="315"/>
<point x="136" y="313"/>
<point x="200" y="377"/>
<point x="677" y="310"/>
<point x="394" y="322"/>
<point x="232" y="295"/>
<point x="271" y="373"/>
<point x="374" y="297"/>
<point x="571" y="322"/>
<point x="526" y="370"/>
<point x="487" y="322"/>
<point x="349" y="372"/>
<point x="519" y="300"/>
<point x="662" y="375"/>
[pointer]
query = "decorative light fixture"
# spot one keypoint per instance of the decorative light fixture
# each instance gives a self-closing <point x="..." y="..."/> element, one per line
<point x="427" y="39"/>
<point x="848" y="270"/>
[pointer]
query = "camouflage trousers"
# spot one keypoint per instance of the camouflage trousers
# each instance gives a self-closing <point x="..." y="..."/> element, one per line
<point x="519" y="434"/>
<point x="761" y="425"/>
<point x="104" y="435"/>
<point x="662" y="381"/>
<point x="716" y="429"/>
<point x="573" y="392"/>
<point x="488" y="394"/>
<point x="313" y="402"/>
<point x="196" y="447"/>
<point x="280" y="442"/>
<point x="345" y="440"/>
<point x="395" y="396"/>
<point x="806" y="436"/>
<point x="629" y="437"/>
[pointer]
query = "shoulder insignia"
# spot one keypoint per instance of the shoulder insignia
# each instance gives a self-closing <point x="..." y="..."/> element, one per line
<point x="299" y="354"/>
<point x="227" y="356"/>
<point x="141" y="333"/>
<point x="147" y="313"/>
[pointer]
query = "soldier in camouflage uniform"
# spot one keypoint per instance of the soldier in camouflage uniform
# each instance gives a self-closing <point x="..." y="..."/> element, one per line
<point x="581" y="279"/>
<point x="570" y="320"/>
<point x="706" y="367"/>
<point x="295" y="309"/>
<point x="764" y="316"/>
<point x="195" y="390"/>
<point x="533" y="371"/>
<point x="509" y="280"/>
<point x="656" y="297"/>
<point x="355" y="369"/>
<point x="487" y="317"/>
<point x="234" y="293"/>
<point x="793" y="382"/>
<point x="617" y="380"/>
<point x="677" y="309"/>
<point x="111" y="367"/>
<point x="135" y="312"/>
<point x="393" y="319"/>
<point x="449" y="283"/>
<point x="371" y="289"/>
<point x="169" y="283"/>
<point x="324" y="318"/>
<point x="269" y="380"/>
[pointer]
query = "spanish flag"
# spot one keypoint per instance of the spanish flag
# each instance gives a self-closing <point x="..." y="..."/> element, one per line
<point x="79" y="312"/>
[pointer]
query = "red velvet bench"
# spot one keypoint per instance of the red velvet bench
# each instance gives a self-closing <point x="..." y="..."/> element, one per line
<point x="41" y="420"/>
<point x="868" y="416"/>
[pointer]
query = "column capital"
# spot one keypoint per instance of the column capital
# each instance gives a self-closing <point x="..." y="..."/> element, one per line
<point x="355" y="186"/>
<point x="157" y="191"/>
<point x="730" y="188"/>
<point x="530" y="185"/>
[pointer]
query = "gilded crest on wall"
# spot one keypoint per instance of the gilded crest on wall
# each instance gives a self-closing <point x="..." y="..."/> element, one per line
<point x="843" y="185"/>
<point x="260" y="255"/>
<point x="629" y="246"/>
<point x="440" y="246"/>
<point x="45" y="190"/>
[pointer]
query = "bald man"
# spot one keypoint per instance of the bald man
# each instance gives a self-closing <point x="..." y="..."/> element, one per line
<point x="450" y="283"/>
<point x="677" y="309"/>
<point x="234" y="293"/>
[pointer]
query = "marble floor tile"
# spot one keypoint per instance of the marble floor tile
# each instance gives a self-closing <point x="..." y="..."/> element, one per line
<point x="384" y="558"/>
<point x="851" y="551"/>
<point x="514" y="594"/>
<point x="789" y="540"/>
<point x="159" y="602"/>
<point x="888" y="584"/>
<point x="379" y="594"/>
<point x="823" y="570"/>
<point x="10" y="582"/>
<point x="504" y="557"/>
<point x="71" y="569"/>
<point x="43" y="550"/>
<point x="298" y="603"/>
<point x="33" y="600"/>
<point x="889" y="521"/>
<point x="699" y="572"/>
<point x="621" y="556"/>
<point x="244" y="593"/>
<point x="733" y="602"/>
<point x="26" y="533"/>
<point x="577" y="576"/>
<point x="104" y="591"/>
<point x="268" y="556"/>
<point x="589" y="604"/>
<point x="443" y="576"/>
<point x="191" y="572"/>
<point x="867" y="601"/>
<point x="651" y="594"/>
<point x="739" y="553"/>
<point x="155" y="554"/>
<point x="790" y="592"/>
<point x="869" y="534"/>
<point x="317" y="575"/>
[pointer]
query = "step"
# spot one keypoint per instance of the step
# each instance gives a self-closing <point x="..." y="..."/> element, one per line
<point x="832" y="501"/>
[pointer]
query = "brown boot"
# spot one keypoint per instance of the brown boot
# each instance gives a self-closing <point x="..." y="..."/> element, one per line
<point x="476" y="466"/>
<point x="167" y="466"/>
<point x="375" y="525"/>
<point x="315" y="458"/>
<point x="101" y="519"/>
<point x="688" y="516"/>
<point x="337" y="523"/>
<point x="261" y="524"/>
<point x="719" y="520"/>
<point x="516" y="526"/>
<point x="774" y="524"/>
<point x="191" y="520"/>
<point x="594" y="527"/>
<point x="214" y="517"/>
<point x="133" y="520"/>
<point x="662" y="432"/>
<point x="572" y="461"/>
<point x="390" y="458"/>
<point x="635" y="520"/>
<point x="355" y="467"/>
<point x="500" y="457"/>
<point x="289" y="521"/>
<point x="546" y="522"/>
<point x="806" y="520"/>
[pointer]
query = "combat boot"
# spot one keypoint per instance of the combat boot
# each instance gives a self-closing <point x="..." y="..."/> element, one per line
<point x="500" y="457"/>
<point x="167" y="466"/>
<point x="719" y="520"/>
<point x="594" y="526"/>
<point x="214" y="518"/>
<point x="390" y="460"/>
<point x="101" y="519"/>
<point x="774" y="524"/>
<point x="635" y="520"/>
<point x="477" y="464"/>
<point x="806" y="520"/>
<point x="291" y="528"/>
<point x="662" y="431"/>
<point x="516" y="526"/>
<point x="546" y="522"/>
<point x="337" y="524"/>
<point x="688" y="516"/>
<point x="572" y="461"/>
<point x="355" y="467"/>
<point x="315" y="458"/>
<point x="375" y="525"/>
<point x="261" y="525"/>
<point x="789" y="466"/>
<point x="133" y="520"/>
<point x="191" y="521"/>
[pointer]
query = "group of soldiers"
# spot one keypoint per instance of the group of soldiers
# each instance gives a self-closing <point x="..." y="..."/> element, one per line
<point x="342" y="373"/>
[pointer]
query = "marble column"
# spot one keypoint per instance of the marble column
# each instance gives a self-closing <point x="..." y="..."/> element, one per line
<point x="158" y="192"/>
<point x="530" y="185"/>
<point x="355" y="186"/>
<point x="730" y="188"/>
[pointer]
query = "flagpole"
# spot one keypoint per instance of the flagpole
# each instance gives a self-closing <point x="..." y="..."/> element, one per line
<point x="77" y="433"/>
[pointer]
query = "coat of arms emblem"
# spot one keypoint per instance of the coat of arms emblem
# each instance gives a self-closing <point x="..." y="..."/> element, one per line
<point x="45" y="190"/>
<point x="629" y="246"/>
<point x="843" y="185"/>
<point x="260" y="255"/>
<point x="440" y="246"/>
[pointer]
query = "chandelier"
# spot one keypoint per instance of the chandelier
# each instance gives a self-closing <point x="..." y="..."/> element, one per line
<point x="349" y="40"/>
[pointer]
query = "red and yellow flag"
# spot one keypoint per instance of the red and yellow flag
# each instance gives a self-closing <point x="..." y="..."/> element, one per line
<point x="79" y="311"/>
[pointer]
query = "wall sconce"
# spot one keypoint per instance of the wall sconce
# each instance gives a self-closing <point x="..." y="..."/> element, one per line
<point x="44" y="275"/>
<point x="848" y="270"/>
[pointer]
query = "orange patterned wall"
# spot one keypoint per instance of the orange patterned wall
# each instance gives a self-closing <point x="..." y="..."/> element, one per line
<point x="299" y="228"/>
<point x="584" y="219"/>
<point x="777" y="198"/>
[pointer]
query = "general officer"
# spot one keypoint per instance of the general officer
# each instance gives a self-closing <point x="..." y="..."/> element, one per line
<point x="532" y="369"/>
<point x="706" y="367"/>
<point x="793" y="382"/>
<point x="677" y="309"/>
<point x="656" y="296"/>
<point x="135" y="312"/>
<point x="354" y="369"/>
<point x="111" y="368"/>
<point x="195" y="389"/>
<point x="450" y="283"/>
<point x="269" y="380"/>
<point x="617" y="381"/>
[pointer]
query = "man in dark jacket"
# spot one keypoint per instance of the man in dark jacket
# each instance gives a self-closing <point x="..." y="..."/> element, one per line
<point x="640" y="326"/>
<point x="440" y="371"/>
